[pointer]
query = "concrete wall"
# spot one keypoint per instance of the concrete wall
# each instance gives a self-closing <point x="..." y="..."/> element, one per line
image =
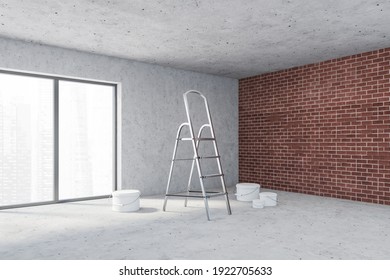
<point x="152" y="107"/>
<point x="321" y="129"/>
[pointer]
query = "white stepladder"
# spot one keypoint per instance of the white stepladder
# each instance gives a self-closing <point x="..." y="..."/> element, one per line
<point x="196" y="159"/>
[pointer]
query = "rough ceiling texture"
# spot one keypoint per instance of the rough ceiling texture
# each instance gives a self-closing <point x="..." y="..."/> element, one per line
<point x="223" y="37"/>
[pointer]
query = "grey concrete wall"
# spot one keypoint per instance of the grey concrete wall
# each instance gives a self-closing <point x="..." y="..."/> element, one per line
<point x="152" y="107"/>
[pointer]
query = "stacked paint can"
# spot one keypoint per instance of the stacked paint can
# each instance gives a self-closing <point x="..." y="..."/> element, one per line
<point x="247" y="191"/>
<point x="251" y="192"/>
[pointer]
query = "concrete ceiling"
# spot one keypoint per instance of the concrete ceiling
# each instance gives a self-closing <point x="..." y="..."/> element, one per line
<point x="223" y="37"/>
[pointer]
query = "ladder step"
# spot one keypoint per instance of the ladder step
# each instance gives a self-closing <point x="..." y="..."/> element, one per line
<point x="179" y="159"/>
<point x="197" y="139"/>
<point x="211" y="175"/>
<point x="200" y="195"/>
<point x="209" y="157"/>
<point x="200" y="191"/>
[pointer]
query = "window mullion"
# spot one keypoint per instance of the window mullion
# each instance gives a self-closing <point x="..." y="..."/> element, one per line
<point x="56" y="140"/>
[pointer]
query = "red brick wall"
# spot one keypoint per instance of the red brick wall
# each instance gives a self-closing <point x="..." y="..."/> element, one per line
<point x="321" y="129"/>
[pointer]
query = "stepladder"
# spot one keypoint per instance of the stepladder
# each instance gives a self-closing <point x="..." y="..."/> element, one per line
<point x="197" y="160"/>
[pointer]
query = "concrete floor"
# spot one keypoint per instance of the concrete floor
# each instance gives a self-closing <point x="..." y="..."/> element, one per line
<point x="300" y="227"/>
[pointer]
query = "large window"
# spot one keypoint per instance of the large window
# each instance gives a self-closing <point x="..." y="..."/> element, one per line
<point x="57" y="139"/>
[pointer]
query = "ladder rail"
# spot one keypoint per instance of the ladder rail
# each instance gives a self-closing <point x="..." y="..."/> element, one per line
<point x="196" y="156"/>
<point x="193" y="163"/>
<point x="173" y="161"/>
<point x="219" y="164"/>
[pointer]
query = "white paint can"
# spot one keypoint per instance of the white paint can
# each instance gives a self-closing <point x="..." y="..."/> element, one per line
<point x="125" y="200"/>
<point x="247" y="191"/>
<point x="257" y="203"/>
<point x="269" y="198"/>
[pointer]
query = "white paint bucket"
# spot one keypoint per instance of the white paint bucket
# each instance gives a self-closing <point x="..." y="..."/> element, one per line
<point x="257" y="203"/>
<point x="125" y="200"/>
<point x="269" y="198"/>
<point x="247" y="191"/>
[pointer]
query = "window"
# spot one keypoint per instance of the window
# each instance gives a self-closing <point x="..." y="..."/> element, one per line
<point x="57" y="139"/>
<point x="26" y="140"/>
<point x="86" y="139"/>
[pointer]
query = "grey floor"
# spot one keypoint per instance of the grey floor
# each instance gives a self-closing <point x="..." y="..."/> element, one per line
<point x="300" y="227"/>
